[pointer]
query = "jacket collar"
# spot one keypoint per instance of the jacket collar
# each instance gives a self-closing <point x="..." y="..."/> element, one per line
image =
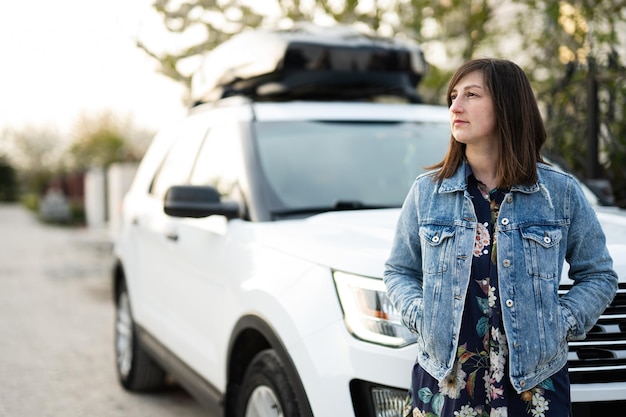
<point x="458" y="182"/>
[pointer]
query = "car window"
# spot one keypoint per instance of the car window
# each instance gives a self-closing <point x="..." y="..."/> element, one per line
<point x="219" y="161"/>
<point x="317" y="164"/>
<point x="176" y="167"/>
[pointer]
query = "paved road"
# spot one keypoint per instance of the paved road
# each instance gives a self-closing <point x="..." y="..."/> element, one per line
<point x="56" y="321"/>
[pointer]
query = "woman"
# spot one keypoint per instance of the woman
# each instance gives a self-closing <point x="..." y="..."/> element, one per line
<point x="478" y="254"/>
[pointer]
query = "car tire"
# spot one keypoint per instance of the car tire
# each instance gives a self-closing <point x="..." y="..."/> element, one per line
<point x="136" y="370"/>
<point x="266" y="389"/>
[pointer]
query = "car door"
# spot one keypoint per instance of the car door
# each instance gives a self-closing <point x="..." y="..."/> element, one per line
<point x="202" y="259"/>
<point x="158" y="269"/>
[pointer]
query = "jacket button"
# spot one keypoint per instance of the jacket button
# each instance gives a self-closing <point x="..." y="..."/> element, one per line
<point x="547" y="239"/>
<point x="435" y="239"/>
<point x="509" y="303"/>
<point x="509" y="199"/>
<point x="522" y="383"/>
<point x="506" y="263"/>
<point x="505" y="221"/>
<point x="515" y="345"/>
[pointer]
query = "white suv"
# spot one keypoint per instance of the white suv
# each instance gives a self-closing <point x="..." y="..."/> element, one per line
<point x="251" y="257"/>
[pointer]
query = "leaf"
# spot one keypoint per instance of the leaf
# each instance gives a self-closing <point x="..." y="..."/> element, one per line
<point x="425" y="394"/>
<point x="483" y="304"/>
<point x="471" y="381"/>
<point x="547" y="384"/>
<point x="438" y="403"/>
<point x="465" y="357"/>
<point x="482" y="326"/>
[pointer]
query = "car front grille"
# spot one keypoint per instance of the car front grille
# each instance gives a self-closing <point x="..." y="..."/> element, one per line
<point x="601" y="357"/>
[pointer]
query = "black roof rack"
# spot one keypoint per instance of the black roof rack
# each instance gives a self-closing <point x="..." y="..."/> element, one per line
<point x="310" y="62"/>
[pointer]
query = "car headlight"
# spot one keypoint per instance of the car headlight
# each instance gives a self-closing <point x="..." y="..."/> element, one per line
<point x="368" y="312"/>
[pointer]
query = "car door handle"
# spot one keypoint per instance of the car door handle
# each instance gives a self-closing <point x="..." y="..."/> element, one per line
<point x="171" y="235"/>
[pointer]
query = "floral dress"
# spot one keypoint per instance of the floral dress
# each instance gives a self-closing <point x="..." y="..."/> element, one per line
<point x="479" y="384"/>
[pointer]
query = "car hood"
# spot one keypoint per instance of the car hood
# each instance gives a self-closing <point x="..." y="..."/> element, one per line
<point x="350" y="241"/>
<point x="359" y="241"/>
<point x="613" y="221"/>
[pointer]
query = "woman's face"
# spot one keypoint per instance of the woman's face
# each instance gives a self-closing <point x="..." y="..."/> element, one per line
<point x="472" y="116"/>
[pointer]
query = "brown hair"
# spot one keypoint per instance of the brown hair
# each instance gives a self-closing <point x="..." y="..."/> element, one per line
<point x="519" y="126"/>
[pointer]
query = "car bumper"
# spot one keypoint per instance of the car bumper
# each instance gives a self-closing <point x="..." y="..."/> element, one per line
<point x="339" y="372"/>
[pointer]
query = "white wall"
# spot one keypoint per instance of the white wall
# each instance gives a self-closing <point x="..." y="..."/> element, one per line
<point x="95" y="198"/>
<point x="119" y="178"/>
<point x="104" y="193"/>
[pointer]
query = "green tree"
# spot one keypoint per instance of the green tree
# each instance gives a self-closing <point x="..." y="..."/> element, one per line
<point x="8" y="181"/>
<point x="581" y="81"/>
<point x="101" y="139"/>
<point x="36" y="152"/>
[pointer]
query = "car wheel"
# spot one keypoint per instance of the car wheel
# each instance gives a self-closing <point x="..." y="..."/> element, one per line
<point x="266" y="390"/>
<point x="136" y="370"/>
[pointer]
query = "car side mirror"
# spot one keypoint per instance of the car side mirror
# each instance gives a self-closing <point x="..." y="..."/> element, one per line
<point x="197" y="201"/>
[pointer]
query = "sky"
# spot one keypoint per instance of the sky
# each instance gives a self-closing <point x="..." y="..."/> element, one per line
<point x="65" y="58"/>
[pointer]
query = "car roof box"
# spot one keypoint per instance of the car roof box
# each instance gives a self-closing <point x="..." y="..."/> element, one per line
<point x="310" y="62"/>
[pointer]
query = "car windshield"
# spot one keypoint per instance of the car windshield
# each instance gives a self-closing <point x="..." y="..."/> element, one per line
<point x="317" y="166"/>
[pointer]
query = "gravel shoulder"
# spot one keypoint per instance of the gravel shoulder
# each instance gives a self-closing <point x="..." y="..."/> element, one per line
<point x="56" y="326"/>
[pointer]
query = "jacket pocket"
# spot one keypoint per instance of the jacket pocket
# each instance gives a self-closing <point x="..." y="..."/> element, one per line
<point x="541" y="250"/>
<point x="541" y="254"/>
<point x="437" y="245"/>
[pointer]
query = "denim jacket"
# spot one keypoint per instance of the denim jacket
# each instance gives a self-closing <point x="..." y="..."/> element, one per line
<point x="539" y="226"/>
